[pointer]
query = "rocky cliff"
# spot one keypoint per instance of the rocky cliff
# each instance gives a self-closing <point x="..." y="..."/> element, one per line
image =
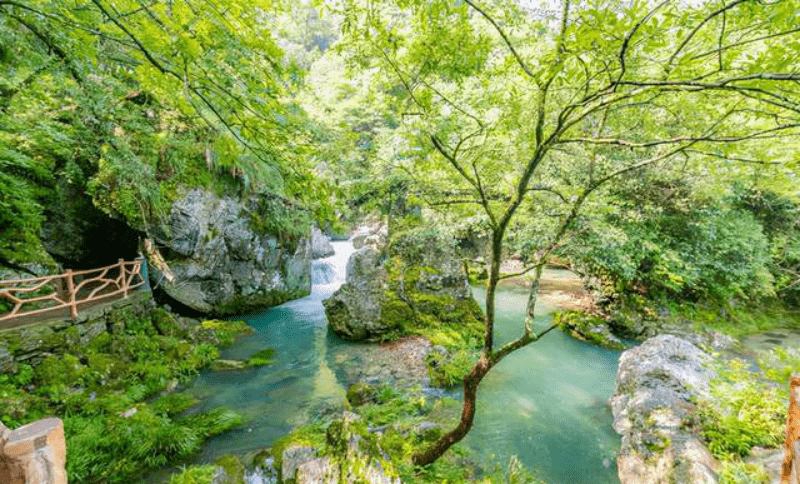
<point x="221" y="263"/>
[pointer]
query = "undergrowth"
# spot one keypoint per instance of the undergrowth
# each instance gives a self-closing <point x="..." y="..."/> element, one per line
<point x="107" y="393"/>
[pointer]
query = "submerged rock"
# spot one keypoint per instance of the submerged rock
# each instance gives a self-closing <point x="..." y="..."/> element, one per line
<point x="222" y="264"/>
<point x="657" y="385"/>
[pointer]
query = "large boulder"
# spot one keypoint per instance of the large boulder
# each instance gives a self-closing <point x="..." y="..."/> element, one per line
<point x="222" y="264"/>
<point x="417" y="278"/>
<point x="657" y="385"/>
<point x="320" y="244"/>
<point x="354" y="310"/>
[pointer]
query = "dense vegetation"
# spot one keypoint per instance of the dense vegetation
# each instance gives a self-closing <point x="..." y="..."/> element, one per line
<point x="116" y="394"/>
<point x="653" y="146"/>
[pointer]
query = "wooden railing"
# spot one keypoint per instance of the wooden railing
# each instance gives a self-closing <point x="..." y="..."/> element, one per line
<point x="52" y="296"/>
<point x="790" y="470"/>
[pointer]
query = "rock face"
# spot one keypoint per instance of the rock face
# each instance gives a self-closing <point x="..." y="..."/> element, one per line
<point x="417" y="277"/>
<point x="656" y="384"/>
<point x="320" y="244"/>
<point x="222" y="264"/>
<point x="34" y="453"/>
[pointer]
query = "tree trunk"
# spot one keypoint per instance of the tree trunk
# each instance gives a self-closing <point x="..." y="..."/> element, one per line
<point x="471" y="382"/>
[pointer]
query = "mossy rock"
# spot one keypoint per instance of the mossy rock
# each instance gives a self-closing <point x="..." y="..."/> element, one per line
<point x="243" y="304"/>
<point x="233" y="470"/>
<point x="165" y="322"/>
<point x="589" y="328"/>
<point x="360" y="393"/>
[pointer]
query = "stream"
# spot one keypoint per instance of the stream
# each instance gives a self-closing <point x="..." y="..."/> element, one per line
<point x="545" y="403"/>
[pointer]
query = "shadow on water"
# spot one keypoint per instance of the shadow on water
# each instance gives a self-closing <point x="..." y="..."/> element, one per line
<point x="545" y="403"/>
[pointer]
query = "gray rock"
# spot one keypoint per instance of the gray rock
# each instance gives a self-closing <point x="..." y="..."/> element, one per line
<point x="320" y="244"/>
<point x="222" y="264"/>
<point x="322" y="470"/>
<point x="91" y="330"/>
<point x="263" y="473"/>
<point x="6" y="360"/>
<point x="657" y="384"/>
<point x="427" y="278"/>
<point x="354" y="310"/>
<point x="374" y="235"/>
<point x="293" y="457"/>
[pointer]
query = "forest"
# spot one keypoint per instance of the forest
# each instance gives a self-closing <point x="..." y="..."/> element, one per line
<point x="650" y="147"/>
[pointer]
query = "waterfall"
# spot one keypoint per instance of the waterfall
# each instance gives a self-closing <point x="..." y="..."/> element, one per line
<point x="330" y="272"/>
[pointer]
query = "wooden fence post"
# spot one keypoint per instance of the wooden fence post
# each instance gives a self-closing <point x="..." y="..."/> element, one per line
<point x="791" y="461"/>
<point x="73" y="307"/>
<point x="124" y="276"/>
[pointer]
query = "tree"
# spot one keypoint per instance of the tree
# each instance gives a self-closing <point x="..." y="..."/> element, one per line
<point x="510" y="113"/>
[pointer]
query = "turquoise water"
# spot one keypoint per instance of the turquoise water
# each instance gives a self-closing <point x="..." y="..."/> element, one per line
<point x="545" y="403"/>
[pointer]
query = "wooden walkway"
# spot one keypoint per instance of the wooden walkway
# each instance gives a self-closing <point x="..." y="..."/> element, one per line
<point x="64" y="296"/>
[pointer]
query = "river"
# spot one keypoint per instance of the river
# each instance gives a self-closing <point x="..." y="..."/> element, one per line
<point x="545" y="403"/>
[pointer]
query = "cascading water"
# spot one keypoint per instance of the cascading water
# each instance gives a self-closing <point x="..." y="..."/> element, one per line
<point x="545" y="403"/>
<point x="329" y="273"/>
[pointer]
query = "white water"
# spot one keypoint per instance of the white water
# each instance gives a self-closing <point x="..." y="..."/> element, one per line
<point x="328" y="273"/>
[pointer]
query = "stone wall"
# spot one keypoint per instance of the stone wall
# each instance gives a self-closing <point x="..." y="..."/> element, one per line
<point x="31" y="344"/>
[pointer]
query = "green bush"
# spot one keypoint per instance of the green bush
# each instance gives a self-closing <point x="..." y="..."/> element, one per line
<point x="92" y="386"/>
<point x="750" y="412"/>
<point x="660" y="241"/>
<point x="742" y="473"/>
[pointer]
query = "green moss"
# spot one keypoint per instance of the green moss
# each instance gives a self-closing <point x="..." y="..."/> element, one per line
<point x="450" y="372"/>
<point x="195" y="475"/>
<point x="742" y="473"/>
<point x="226" y="332"/>
<point x="262" y="358"/>
<point x="360" y="393"/>
<point x="583" y="326"/>
<point x="165" y="322"/>
<point x="658" y="444"/>
<point x="309" y="435"/>
<point x="233" y="468"/>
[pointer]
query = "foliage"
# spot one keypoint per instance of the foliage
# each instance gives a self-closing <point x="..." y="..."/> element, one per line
<point x="449" y="372"/>
<point x="524" y="123"/>
<point x="103" y="391"/>
<point x="134" y="105"/>
<point x="742" y="473"/>
<point x="750" y="412"/>
<point x="660" y="241"/>
<point x="195" y="475"/>
<point x="780" y="217"/>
